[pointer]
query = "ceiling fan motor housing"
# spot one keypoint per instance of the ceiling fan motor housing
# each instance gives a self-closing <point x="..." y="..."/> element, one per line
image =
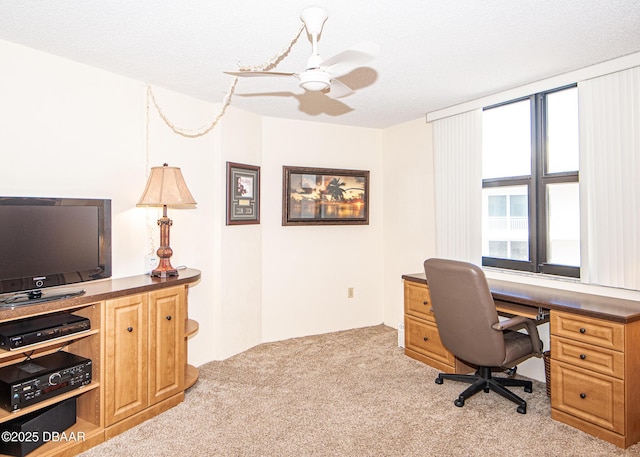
<point x="315" y="80"/>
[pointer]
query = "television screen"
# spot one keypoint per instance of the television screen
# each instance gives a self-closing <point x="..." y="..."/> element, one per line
<point x="53" y="241"/>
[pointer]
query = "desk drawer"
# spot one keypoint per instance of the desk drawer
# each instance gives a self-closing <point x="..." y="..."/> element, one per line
<point x="589" y="396"/>
<point x="423" y="337"/>
<point x="588" y="330"/>
<point x="589" y="357"/>
<point x="417" y="301"/>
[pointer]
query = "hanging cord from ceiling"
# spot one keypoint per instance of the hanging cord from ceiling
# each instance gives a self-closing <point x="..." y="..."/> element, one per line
<point x="188" y="133"/>
<point x="268" y="65"/>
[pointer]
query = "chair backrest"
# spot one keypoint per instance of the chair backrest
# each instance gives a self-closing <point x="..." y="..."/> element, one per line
<point x="465" y="311"/>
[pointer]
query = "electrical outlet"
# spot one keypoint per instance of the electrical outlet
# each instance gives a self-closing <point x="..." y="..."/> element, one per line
<point x="350" y="292"/>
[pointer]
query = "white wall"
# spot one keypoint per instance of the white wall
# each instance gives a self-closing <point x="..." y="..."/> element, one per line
<point x="408" y="201"/>
<point x="306" y="270"/>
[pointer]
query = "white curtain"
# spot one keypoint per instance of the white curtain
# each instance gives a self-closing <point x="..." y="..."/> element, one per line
<point x="610" y="179"/>
<point x="457" y="144"/>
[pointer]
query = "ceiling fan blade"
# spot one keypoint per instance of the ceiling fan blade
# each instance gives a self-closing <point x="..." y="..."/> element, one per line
<point x="338" y="89"/>
<point x="257" y="73"/>
<point x="354" y="57"/>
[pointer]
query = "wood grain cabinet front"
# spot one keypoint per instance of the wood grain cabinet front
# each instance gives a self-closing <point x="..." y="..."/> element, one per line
<point x="145" y="356"/>
<point x="421" y="337"/>
<point x="593" y="386"/>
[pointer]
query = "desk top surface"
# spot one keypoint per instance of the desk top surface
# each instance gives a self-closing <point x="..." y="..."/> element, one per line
<point x="609" y="308"/>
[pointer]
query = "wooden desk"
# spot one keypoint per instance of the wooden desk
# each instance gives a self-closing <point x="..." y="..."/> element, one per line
<point x="595" y="361"/>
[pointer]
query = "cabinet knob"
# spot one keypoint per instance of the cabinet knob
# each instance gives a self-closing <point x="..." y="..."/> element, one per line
<point x="583" y="395"/>
<point x="168" y="318"/>
<point x="129" y="329"/>
<point x="583" y="330"/>
<point x="583" y="356"/>
<point x="425" y="338"/>
<point x="426" y="302"/>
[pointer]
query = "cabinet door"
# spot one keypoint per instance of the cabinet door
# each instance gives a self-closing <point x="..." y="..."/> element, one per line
<point x="166" y="343"/>
<point x="126" y="357"/>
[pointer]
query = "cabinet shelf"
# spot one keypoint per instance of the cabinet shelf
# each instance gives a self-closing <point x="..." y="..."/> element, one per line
<point x="191" y="328"/>
<point x="6" y="416"/>
<point x="53" y="345"/>
<point x="84" y="433"/>
<point x="191" y="374"/>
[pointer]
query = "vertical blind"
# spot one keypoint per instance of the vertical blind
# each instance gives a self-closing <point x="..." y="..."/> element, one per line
<point x="458" y="186"/>
<point x="610" y="178"/>
<point x="609" y="110"/>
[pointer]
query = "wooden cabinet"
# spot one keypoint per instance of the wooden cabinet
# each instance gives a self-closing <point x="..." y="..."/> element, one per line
<point x="126" y="343"/>
<point x="421" y="338"/>
<point x="138" y="347"/>
<point x="145" y="355"/>
<point x="593" y="376"/>
<point x="167" y="358"/>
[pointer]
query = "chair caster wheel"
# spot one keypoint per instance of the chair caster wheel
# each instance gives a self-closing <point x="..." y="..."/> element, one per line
<point x="522" y="409"/>
<point x="486" y="390"/>
<point x="459" y="402"/>
<point x="528" y="389"/>
<point x="511" y="372"/>
<point x="439" y="380"/>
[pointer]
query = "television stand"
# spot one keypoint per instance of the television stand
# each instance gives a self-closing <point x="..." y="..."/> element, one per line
<point x="32" y="297"/>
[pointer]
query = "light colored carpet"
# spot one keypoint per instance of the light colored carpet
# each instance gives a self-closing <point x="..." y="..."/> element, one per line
<point x="351" y="393"/>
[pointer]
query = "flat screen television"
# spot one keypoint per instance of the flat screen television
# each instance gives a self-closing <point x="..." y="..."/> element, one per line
<point x="48" y="242"/>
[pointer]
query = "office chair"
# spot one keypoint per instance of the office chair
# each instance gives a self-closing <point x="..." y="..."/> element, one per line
<point x="469" y="328"/>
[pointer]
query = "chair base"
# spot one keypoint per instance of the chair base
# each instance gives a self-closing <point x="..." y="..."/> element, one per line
<point x="483" y="380"/>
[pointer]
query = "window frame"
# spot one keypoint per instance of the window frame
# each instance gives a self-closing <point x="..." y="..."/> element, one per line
<point x="537" y="184"/>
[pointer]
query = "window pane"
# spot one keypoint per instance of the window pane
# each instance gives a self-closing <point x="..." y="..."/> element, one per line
<point x="563" y="216"/>
<point x="506" y="235"/>
<point x="519" y="250"/>
<point x="562" y="131"/>
<point x="506" y="140"/>
<point x="497" y="205"/>
<point x="518" y="206"/>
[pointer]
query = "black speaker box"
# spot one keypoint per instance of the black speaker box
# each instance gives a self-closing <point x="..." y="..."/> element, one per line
<point x="24" y="434"/>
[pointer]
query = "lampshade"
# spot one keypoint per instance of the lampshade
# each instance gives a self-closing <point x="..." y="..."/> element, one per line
<point x="166" y="186"/>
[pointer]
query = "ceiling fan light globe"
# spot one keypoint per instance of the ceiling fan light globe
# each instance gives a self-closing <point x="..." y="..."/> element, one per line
<point x="315" y="80"/>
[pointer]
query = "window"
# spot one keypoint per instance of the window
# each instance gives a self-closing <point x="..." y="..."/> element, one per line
<point x="530" y="194"/>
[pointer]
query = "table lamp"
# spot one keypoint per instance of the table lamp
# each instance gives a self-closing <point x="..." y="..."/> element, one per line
<point x="166" y="187"/>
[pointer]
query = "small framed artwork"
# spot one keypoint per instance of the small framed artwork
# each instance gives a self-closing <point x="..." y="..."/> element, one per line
<point x="243" y="194"/>
<point x="325" y="196"/>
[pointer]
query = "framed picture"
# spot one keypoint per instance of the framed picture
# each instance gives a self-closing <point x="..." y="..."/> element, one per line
<point x="243" y="194"/>
<point x="325" y="196"/>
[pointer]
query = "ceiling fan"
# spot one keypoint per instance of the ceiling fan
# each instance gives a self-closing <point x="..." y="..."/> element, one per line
<point x="321" y="74"/>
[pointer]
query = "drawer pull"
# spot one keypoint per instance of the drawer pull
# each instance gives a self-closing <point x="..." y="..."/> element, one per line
<point x="583" y="395"/>
<point x="168" y="318"/>
<point x="425" y="338"/>
<point x="583" y="356"/>
<point x="583" y="330"/>
<point x="129" y="329"/>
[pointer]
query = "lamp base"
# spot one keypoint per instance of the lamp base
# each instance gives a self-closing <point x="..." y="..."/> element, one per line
<point x="164" y="268"/>
<point x="164" y="273"/>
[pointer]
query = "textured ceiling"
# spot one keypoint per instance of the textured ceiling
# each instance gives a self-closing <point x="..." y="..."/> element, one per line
<point x="433" y="54"/>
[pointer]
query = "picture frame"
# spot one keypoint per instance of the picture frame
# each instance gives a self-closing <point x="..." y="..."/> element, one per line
<point x="243" y="194"/>
<point x="324" y="196"/>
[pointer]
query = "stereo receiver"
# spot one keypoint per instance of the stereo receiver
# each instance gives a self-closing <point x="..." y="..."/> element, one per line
<point x="35" y="380"/>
